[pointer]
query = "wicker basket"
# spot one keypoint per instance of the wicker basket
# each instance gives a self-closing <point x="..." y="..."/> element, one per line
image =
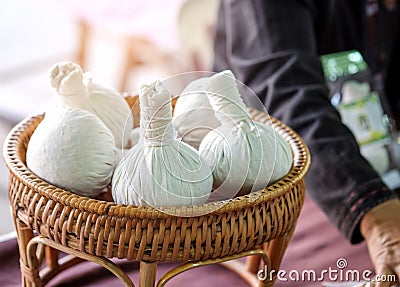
<point x="95" y="230"/>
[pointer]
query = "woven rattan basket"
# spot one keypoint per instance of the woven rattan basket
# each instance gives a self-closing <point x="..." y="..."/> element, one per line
<point x="48" y="219"/>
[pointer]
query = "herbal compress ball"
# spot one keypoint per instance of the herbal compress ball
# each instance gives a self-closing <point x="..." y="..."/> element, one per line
<point x="72" y="149"/>
<point x="194" y="117"/>
<point x="244" y="155"/>
<point x="160" y="170"/>
<point x="79" y="90"/>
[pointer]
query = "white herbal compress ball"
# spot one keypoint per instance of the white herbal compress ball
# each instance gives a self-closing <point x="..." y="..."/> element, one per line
<point x="134" y="136"/>
<point x="160" y="170"/>
<point x="245" y="155"/>
<point x="72" y="149"/>
<point x="79" y="90"/>
<point x="193" y="115"/>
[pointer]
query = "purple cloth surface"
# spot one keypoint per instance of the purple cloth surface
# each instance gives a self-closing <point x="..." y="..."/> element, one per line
<point x="316" y="245"/>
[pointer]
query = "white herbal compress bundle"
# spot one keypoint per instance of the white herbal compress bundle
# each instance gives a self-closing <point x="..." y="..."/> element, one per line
<point x="72" y="149"/>
<point x="193" y="115"/>
<point x="79" y="90"/>
<point x="245" y="155"/>
<point x="160" y="170"/>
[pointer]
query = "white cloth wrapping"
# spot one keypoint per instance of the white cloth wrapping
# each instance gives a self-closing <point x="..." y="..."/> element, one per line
<point x="160" y="171"/>
<point x="76" y="89"/>
<point x="193" y="115"/>
<point x="134" y="136"/>
<point x="72" y="149"/>
<point x="244" y="155"/>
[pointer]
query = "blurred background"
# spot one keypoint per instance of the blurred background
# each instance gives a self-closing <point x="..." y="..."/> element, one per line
<point x="123" y="43"/>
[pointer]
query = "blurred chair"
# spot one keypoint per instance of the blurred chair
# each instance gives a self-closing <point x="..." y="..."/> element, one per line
<point x="176" y="37"/>
<point x="196" y="25"/>
<point x="147" y="29"/>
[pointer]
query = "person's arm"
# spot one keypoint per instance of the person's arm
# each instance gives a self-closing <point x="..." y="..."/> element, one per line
<point x="270" y="46"/>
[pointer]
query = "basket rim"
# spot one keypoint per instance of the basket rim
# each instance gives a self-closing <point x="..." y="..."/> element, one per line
<point x="16" y="167"/>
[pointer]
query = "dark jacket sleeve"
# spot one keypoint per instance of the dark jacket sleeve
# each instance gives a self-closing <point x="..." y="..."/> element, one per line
<point x="270" y="46"/>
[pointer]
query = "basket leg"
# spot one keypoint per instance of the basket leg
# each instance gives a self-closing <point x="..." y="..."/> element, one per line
<point x="275" y="250"/>
<point x="74" y="258"/>
<point x="148" y="272"/>
<point x="228" y="262"/>
<point x="51" y="257"/>
<point x="253" y="263"/>
<point x="29" y="274"/>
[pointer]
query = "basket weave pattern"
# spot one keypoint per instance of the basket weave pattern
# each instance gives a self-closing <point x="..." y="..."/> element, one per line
<point x="146" y="234"/>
